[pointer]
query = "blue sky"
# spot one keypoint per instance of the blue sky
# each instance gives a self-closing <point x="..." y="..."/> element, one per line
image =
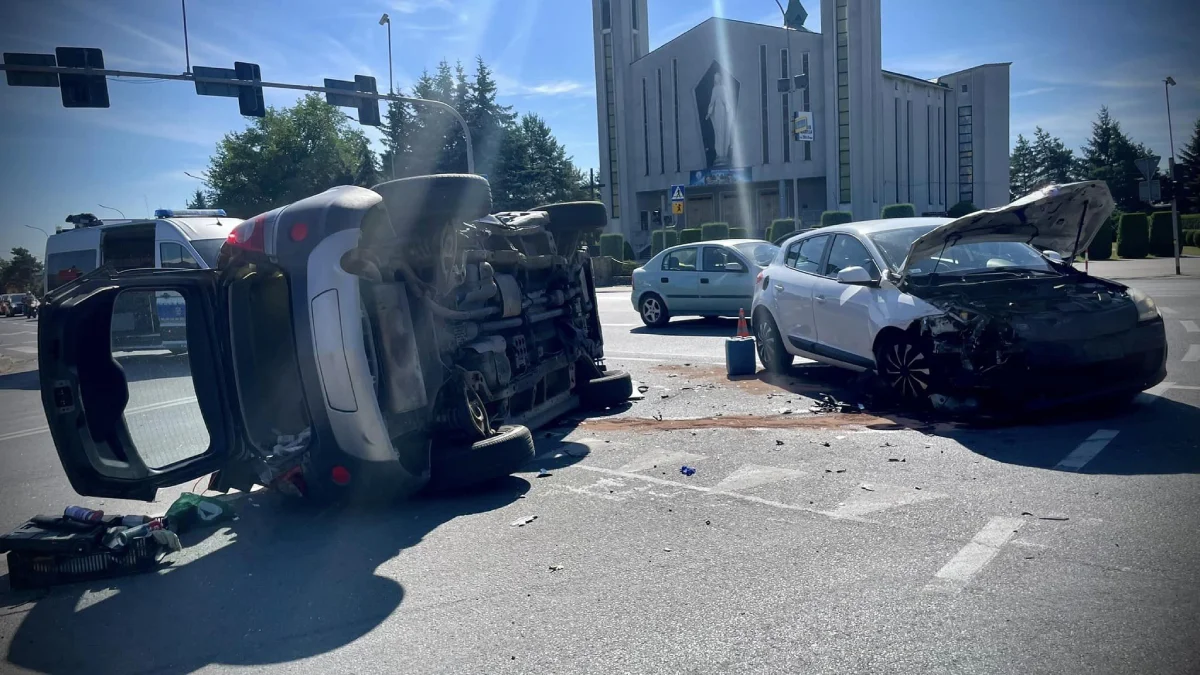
<point x="1069" y="58"/>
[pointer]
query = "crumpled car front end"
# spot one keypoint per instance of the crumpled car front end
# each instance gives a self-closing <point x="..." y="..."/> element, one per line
<point x="1033" y="343"/>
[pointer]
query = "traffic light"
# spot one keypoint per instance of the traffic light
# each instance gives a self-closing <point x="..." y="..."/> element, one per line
<point x="82" y="91"/>
<point x="250" y="99"/>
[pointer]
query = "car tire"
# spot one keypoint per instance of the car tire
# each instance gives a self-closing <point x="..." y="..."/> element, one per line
<point x="420" y="200"/>
<point x="769" y="341"/>
<point x="904" y="364"/>
<point x="458" y="468"/>
<point x="653" y="310"/>
<point x="578" y="216"/>
<point x="613" y="388"/>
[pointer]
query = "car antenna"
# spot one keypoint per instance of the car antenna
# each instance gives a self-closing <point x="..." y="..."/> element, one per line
<point x="933" y="274"/>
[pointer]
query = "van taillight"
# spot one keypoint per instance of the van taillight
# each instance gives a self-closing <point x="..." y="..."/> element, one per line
<point x="248" y="235"/>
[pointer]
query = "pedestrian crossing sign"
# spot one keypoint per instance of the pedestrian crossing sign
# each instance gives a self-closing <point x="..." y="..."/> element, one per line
<point x="677" y="193"/>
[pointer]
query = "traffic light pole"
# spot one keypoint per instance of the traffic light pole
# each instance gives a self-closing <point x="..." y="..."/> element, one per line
<point x="188" y="77"/>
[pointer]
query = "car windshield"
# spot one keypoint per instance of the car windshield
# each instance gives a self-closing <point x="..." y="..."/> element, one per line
<point x="208" y="249"/>
<point x="761" y="252"/>
<point x="958" y="259"/>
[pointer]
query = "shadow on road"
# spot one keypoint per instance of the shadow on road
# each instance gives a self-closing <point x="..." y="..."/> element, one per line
<point x="284" y="583"/>
<point x="22" y="381"/>
<point x="692" y="328"/>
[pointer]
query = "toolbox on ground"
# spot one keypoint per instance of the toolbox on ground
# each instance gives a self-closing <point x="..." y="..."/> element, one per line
<point x="47" y="551"/>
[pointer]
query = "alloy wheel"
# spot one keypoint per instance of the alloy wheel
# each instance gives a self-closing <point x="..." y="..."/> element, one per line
<point x="766" y="342"/>
<point x="906" y="370"/>
<point x="651" y="310"/>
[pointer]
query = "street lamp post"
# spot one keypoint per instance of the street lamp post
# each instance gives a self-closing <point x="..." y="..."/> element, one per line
<point x="112" y="209"/>
<point x="387" y="20"/>
<point x="1167" y="84"/>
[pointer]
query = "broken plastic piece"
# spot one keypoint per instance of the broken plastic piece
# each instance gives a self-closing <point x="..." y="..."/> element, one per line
<point x="522" y="522"/>
<point x="543" y="473"/>
<point x="686" y="470"/>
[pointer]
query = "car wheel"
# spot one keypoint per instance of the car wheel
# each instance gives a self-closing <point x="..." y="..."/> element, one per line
<point x="653" y="311"/>
<point x="482" y="461"/>
<point x="613" y="388"/>
<point x="774" y="356"/>
<point x="581" y="216"/>
<point x="905" y="366"/>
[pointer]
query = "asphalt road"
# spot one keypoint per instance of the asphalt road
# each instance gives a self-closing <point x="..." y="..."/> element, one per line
<point x="866" y="542"/>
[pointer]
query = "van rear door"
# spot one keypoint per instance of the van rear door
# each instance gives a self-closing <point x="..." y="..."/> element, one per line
<point x="129" y="419"/>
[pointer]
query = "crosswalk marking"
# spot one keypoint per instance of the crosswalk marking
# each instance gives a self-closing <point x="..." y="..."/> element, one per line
<point x="753" y="475"/>
<point x="956" y="574"/>
<point x="882" y="497"/>
<point x="1086" y="450"/>
<point x="1167" y="311"/>
<point x="1190" y="326"/>
<point x="1192" y="355"/>
<point x="662" y="458"/>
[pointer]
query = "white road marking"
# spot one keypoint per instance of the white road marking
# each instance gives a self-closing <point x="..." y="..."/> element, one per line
<point x="1185" y="386"/>
<point x="862" y="502"/>
<point x="1167" y="311"/>
<point x="753" y="475"/>
<point x="671" y="459"/>
<point x="956" y="574"/>
<point x="1087" y="450"/>
<point x="23" y="350"/>
<point x="1192" y="355"/>
<point x="1190" y="326"/>
<point x="619" y="325"/>
<point x="128" y="411"/>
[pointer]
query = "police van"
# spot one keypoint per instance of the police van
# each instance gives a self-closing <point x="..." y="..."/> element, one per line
<point x="173" y="239"/>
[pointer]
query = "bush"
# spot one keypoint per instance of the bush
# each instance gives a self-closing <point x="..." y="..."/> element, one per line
<point x="836" y="218"/>
<point x="780" y="227"/>
<point x="1189" y="238"/>
<point x="898" y="211"/>
<point x="1133" y="236"/>
<point x="1190" y="221"/>
<point x="1162" y="242"/>
<point x="670" y="238"/>
<point x="739" y="233"/>
<point x="689" y="236"/>
<point x="629" y="254"/>
<point x="713" y="231"/>
<point x="611" y="245"/>
<point x="1101" y="246"/>
<point x="961" y="209"/>
<point x="656" y="242"/>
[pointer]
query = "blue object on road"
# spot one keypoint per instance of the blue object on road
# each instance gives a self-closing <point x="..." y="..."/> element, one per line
<point x="686" y="470"/>
<point x="739" y="356"/>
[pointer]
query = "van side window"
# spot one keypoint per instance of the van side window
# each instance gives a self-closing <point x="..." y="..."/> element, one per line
<point x="68" y="266"/>
<point x="177" y="257"/>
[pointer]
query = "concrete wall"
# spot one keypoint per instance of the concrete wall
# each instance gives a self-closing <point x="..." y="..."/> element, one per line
<point x="914" y="164"/>
<point x="987" y="92"/>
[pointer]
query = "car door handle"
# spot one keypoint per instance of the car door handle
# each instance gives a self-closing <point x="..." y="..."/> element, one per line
<point x="703" y="280"/>
<point x="665" y="280"/>
<point x="779" y="287"/>
<point x="819" y="298"/>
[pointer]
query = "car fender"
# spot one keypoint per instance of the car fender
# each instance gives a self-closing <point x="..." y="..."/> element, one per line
<point x="896" y="309"/>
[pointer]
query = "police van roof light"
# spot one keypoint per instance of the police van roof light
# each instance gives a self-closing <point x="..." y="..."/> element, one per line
<point x="189" y="213"/>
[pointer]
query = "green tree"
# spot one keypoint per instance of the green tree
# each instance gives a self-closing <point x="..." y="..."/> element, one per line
<point x="1053" y="161"/>
<point x="287" y="155"/>
<point x="1189" y="168"/>
<point x="487" y="119"/>
<point x="198" y="200"/>
<point x="533" y="168"/>
<point x="1022" y="168"/>
<point x="398" y="126"/>
<point x="1109" y="156"/>
<point x="22" y="272"/>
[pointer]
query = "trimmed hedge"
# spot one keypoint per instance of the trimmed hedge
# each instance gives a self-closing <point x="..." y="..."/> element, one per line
<point x="713" y="231"/>
<point x="739" y="233"/>
<point x="1189" y="237"/>
<point x="670" y="238"/>
<point x="1101" y="246"/>
<point x="1190" y="221"/>
<point x="898" y="211"/>
<point x="690" y="235"/>
<point x="961" y="209"/>
<point x="836" y="218"/>
<point x="612" y="245"/>
<point x="1133" y="236"/>
<point x="656" y="242"/>
<point x="1162" y="242"/>
<point x="629" y="254"/>
<point x="781" y="227"/>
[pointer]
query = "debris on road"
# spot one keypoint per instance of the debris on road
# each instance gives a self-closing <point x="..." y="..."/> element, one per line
<point x="687" y="470"/>
<point x="191" y="510"/>
<point x="522" y="522"/>
<point x="544" y="473"/>
<point x="829" y="404"/>
<point x="778" y="442"/>
<point x="825" y="444"/>
<point x="867" y="487"/>
<point x="1053" y="518"/>
<point x="556" y="568"/>
<point x="897" y="459"/>
<point x="667" y="550"/>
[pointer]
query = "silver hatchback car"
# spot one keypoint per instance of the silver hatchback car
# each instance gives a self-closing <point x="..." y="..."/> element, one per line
<point x="708" y="278"/>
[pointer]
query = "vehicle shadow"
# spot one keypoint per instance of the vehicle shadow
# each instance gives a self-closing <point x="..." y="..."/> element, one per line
<point x="281" y="583"/>
<point x="692" y="328"/>
<point x="26" y="380"/>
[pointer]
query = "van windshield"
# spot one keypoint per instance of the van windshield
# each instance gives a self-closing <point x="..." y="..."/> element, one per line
<point x="208" y="249"/>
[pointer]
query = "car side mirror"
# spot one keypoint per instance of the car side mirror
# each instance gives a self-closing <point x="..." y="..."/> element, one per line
<point x="1053" y="256"/>
<point x="734" y="266"/>
<point x="855" y="276"/>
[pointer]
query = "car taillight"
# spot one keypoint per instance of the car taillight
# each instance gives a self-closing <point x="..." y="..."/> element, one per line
<point x="758" y="279"/>
<point x="248" y="235"/>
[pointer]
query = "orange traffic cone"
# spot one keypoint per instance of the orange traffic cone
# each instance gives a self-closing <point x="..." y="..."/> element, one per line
<point x="743" y="331"/>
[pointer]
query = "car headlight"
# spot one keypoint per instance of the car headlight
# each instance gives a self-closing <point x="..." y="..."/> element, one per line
<point x="1147" y="310"/>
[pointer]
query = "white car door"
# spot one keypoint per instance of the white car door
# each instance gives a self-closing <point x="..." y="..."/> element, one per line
<point x="841" y="311"/>
<point x="793" y="285"/>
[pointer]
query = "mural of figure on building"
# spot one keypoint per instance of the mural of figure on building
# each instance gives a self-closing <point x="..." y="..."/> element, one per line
<point x="716" y="102"/>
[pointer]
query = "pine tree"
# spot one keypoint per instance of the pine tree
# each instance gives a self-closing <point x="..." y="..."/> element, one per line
<point x="1109" y="156"/>
<point x="1054" y="161"/>
<point x="487" y="119"/>
<point x="1022" y="172"/>
<point x="533" y="168"/>
<point x="198" y="200"/>
<point x="1188" y="167"/>
<point x="398" y="128"/>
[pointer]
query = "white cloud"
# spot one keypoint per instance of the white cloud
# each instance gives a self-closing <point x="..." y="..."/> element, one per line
<point x="1032" y="92"/>
<point x="509" y="86"/>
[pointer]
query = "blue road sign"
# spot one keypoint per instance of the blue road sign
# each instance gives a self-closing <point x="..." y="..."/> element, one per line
<point x="677" y="193"/>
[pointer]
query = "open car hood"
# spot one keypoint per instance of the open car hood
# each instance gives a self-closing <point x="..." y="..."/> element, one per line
<point x="1060" y="218"/>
